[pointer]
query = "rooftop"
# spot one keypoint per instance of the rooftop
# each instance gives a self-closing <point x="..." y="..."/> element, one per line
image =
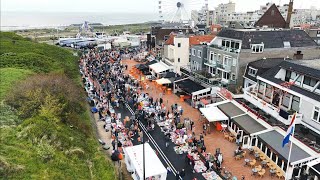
<point x="262" y="66"/>
<point x="295" y="66"/>
<point x="193" y="40"/>
<point x="270" y="38"/>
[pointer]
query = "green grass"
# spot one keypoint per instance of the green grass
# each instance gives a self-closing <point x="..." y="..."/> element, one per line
<point x="44" y="145"/>
<point x="9" y="76"/>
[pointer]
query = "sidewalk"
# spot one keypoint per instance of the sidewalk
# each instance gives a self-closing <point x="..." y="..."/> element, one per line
<point x="213" y="140"/>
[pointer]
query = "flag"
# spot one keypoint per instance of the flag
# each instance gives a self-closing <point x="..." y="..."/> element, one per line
<point x="290" y="131"/>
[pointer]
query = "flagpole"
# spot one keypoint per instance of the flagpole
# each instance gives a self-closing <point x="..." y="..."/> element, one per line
<point x="289" y="156"/>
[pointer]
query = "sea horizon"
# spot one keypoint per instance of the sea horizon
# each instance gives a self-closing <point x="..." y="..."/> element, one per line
<point x="11" y="20"/>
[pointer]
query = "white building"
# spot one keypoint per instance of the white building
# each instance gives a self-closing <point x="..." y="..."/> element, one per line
<point x="305" y="16"/>
<point x="176" y="52"/>
<point x="275" y="96"/>
<point x="200" y="17"/>
<point x="177" y="49"/>
<point x="223" y="11"/>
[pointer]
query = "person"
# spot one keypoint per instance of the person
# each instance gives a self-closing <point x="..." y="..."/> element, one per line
<point x="204" y="126"/>
<point x="208" y="128"/>
<point x="177" y="176"/>
<point x="182" y="174"/>
<point x="113" y="143"/>
<point x="238" y="138"/>
<point x="203" y="148"/>
<point x="167" y="139"/>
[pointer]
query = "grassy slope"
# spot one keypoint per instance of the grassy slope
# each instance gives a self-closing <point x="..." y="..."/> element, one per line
<point x="9" y="76"/>
<point x="19" y="158"/>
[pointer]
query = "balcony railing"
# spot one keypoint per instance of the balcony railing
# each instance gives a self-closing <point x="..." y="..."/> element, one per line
<point x="231" y="50"/>
<point x="200" y="78"/>
<point x="250" y="96"/>
<point x="225" y="67"/>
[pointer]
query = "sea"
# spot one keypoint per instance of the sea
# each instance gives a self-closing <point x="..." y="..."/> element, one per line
<point x="35" y="20"/>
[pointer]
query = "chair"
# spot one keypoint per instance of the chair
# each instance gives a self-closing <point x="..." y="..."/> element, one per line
<point x="262" y="172"/>
<point x="237" y="157"/>
<point x="231" y="139"/>
<point x="258" y="168"/>
<point x="226" y="135"/>
<point x="279" y="174"/>
<point x="252" y="163"/>
<point x="243" y="154"/>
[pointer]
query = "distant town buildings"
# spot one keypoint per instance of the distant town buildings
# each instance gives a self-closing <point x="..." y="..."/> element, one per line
<point x="223" y="14"/>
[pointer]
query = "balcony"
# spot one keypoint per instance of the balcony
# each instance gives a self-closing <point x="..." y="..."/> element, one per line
<point x="224" y="67"/>
<point x="210" y="63"/>
<point x="270" y="109"/>
<point x="230" y="50"/>
<point x="201" y="77"/>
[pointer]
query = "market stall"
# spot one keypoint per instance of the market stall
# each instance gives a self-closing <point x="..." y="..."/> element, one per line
<point x="154" y="169"/>
<point x="214" y="115"/>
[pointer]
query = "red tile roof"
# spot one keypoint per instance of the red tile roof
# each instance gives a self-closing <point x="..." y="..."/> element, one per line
<point x="170" y="40"/>
<point x="194" y="40"/>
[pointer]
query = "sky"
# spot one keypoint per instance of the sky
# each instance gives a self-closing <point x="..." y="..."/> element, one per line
<point x="132" y="6"/>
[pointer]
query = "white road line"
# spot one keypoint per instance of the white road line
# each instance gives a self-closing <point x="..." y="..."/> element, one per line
<point x="154" y="143"/>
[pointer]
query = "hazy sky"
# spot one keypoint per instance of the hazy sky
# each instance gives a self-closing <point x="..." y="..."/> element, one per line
<point x="133" y="6"/>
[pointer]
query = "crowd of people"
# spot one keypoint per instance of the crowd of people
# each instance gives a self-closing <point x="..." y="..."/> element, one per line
<point x="109" y="88"/>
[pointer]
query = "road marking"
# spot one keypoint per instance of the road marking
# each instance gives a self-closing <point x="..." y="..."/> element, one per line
<point x="164" y="157"/>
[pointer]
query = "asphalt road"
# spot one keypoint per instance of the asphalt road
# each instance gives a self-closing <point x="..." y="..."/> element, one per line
<point x="166" y="154"/>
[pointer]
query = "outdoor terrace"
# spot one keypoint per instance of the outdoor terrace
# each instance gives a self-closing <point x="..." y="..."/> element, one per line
<point x="214" y="140"/>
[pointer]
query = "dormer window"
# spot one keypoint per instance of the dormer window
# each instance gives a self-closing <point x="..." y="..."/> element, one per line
<point x="252" y="72"/>
<point x="257" y="48"/>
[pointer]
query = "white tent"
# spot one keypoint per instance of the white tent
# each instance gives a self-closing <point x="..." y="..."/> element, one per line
<point x="163" y="81"/>
<point x="134" y="161"/>
<point x="213" y="114"/>
<point x="159" y="67"/>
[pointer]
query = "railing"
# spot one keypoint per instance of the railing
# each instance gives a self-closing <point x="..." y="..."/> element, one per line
<point x="200" y="78"/>
<point x="222" y="66"/>
<point x="231" y="50"/>
<point x="269" y="108"/>
<point x="210" y="63"/>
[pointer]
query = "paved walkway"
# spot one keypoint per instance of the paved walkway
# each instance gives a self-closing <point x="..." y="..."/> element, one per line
<point x="213" y="140"/>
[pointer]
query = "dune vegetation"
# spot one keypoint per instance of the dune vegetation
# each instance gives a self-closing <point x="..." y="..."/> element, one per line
<point x="45" y="126"/>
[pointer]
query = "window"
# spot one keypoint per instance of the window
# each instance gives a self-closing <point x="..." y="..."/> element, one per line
<point x="233" y="77"/>
<point x="179" y="44"/>
<point x="257" y="48"/>
<point x="211" y="56"/>
<point x="316" y="114"/>
<point x="309" y="81"/>
<point x="178" y="59"/>
<point x="193" y="52"/>
<point x="252" y="72"/>
<point x="261" y="87"/>
<point x="288" y="76"/>
<point x="225" y="75"/>
<point x="286" y="100"/>
<point x="223" y="43"/>
<point x="269" y="91"/>
<point x="199" y="53"/>
<point x="295" y="103"/>
<point x="237" y="46"/>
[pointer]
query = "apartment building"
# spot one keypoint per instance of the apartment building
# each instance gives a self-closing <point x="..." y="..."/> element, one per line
<point x="232" y="50"/>
<point x="177" y="49"/>
<point x="291" y="86"/>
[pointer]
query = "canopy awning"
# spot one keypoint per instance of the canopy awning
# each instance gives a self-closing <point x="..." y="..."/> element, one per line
<point x="150" y="63"/>
<point x="163" y="81"/>
<point x="189" y="86"/>
<point x="273" y="139"/>
<point x="159" y="67"/>
<point x="248" y="124"/>
<point x="213" y="114"/>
